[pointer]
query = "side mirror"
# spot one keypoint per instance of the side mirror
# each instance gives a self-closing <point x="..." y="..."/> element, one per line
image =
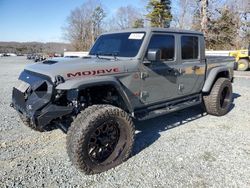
<point x="154" y="55"/>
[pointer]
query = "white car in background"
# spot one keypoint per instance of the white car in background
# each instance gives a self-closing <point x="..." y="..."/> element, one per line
<point x="11" y="54"/>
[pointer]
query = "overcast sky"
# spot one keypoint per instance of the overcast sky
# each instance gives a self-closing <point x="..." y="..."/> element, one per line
<point x="42" y="20"/>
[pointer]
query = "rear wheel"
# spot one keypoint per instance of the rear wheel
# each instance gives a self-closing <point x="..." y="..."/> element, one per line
<point x="100" y="138"/>
<point x="219" y="100"/>
<point x="243" y="65"/>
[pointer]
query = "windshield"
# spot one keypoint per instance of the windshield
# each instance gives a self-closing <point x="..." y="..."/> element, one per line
<point x="118" y="44"/>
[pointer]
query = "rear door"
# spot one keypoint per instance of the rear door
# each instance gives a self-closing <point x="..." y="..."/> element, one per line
<point x="159" y="82"/>
<point x="192" y="64"/>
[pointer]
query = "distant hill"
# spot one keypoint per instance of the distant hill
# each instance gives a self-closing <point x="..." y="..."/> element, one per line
<point x="33" y="47"/>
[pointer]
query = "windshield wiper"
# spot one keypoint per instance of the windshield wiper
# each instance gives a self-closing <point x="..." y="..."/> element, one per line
<point x="98" y="54"/>
<point x="114" y="54"/>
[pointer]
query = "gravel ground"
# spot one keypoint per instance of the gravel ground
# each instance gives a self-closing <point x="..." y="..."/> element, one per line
<point x="183" y="149"/>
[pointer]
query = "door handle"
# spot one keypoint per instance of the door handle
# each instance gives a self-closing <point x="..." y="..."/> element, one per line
<point x="182" y="71"/>
<point x="144" y="75"/>
<point x="169" y="70"/>
<point x="173" y="72"/>
<point x="195" y="67"/>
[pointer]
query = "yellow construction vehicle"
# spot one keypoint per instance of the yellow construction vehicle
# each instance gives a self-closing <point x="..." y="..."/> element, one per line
<point x="242" y="58"/>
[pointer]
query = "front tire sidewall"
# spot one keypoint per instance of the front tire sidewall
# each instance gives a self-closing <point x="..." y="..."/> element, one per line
<point x="120" y="150"/>
<point x="89" y="125"/>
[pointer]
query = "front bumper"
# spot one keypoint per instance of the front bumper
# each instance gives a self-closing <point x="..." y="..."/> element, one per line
<point x="35" y="101"/>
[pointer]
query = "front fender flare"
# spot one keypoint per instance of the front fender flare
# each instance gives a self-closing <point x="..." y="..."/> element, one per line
<point x="83" y="83"/>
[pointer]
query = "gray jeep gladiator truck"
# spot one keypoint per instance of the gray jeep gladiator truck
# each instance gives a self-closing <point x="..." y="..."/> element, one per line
<point x="131" y="74"/>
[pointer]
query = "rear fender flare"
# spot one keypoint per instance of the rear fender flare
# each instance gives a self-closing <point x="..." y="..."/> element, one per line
<point x="212" y="76"/>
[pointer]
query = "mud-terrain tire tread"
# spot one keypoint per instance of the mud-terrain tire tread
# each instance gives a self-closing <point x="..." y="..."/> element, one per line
<point x="211" y="101"/>
<point x="71" y="131"/>
<point x="81" y="127"/>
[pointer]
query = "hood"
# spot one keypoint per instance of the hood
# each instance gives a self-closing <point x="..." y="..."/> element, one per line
<point x="77" y="67"/>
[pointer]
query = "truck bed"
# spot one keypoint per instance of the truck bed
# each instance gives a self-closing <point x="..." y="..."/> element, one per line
<point x="221" y="59"/>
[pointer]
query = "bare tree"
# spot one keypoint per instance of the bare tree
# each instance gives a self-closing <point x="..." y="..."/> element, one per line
<point x="212" y="22"/>
<point x="126" y="17"/>
<point x="139" y="23"/>
<point x="243" y="12"/>
<point x="183" y="13"/>
<point x="204" y="16"/>
<point x="184" y="4"/>
<point x="97" y="17"/>
<point x="83" y="24"/>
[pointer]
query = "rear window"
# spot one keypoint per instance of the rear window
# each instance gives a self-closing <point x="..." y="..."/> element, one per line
<point x="189" y="47"/>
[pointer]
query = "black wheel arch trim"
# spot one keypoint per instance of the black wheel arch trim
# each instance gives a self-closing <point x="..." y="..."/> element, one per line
<point x="84" y="83"/>
<point x="212" y="76"/>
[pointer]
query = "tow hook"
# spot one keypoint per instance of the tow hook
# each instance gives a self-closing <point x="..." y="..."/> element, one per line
<point x="12" y="105"/>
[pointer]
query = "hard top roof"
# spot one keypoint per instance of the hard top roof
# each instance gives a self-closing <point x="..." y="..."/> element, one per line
<point x="156" y="29"/>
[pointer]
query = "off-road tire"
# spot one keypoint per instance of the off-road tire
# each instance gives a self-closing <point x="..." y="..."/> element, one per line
<point x="85" y="124"/>
<point x="26" y="121"/>
<point x="243" y="65"/>
<point x="215" y="102"/>
<point x="71" y="130"/>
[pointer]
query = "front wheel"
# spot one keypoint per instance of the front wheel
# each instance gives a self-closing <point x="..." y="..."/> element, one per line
<point x="219" y="100"/>
<point x="100" y="138"/>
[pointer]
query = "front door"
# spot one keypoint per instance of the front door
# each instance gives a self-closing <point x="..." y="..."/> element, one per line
<point x="159" y="79"/>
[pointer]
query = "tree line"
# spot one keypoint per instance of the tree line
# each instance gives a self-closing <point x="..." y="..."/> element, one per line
<point x="224" y="23"/>
<point x="33" y="47"/>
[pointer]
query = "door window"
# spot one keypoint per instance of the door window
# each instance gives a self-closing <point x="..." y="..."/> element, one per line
<point x="166" y="43"/>
<point x="189" y="47"/>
